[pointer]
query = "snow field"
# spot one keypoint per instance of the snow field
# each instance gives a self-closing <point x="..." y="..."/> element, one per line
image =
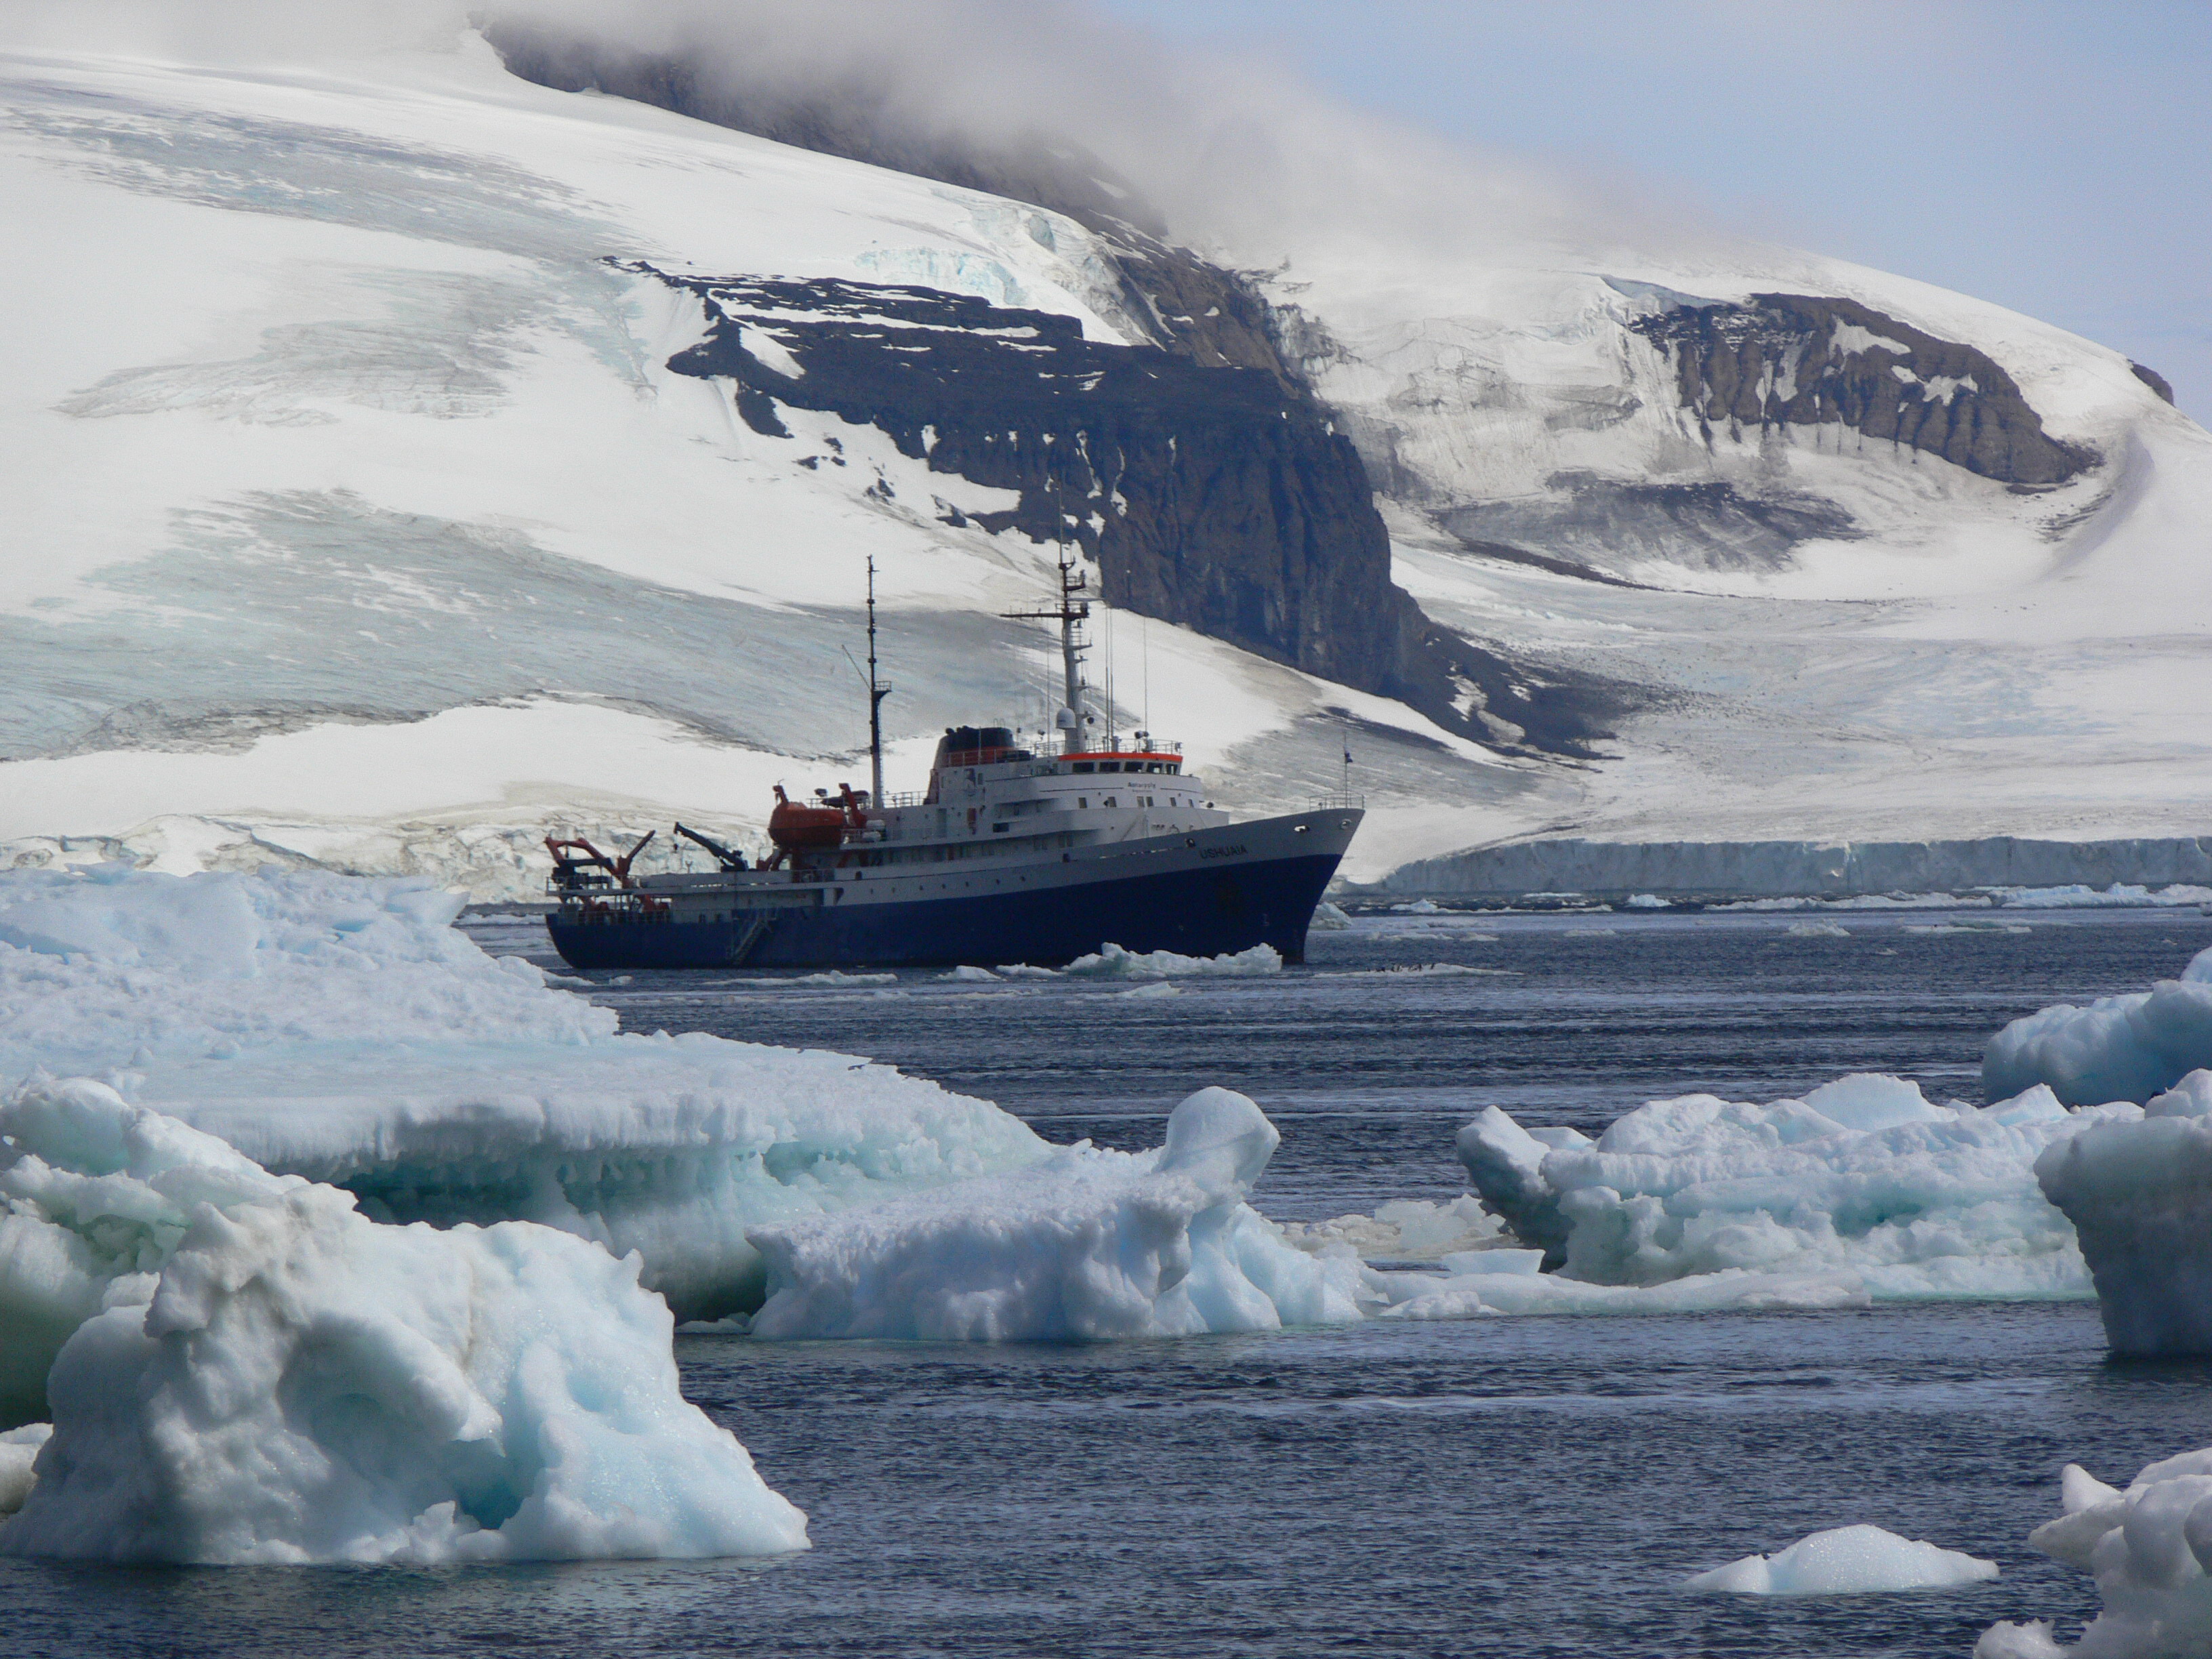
<point x="266" y="1375"/>
<point x="1847" y="1561"/>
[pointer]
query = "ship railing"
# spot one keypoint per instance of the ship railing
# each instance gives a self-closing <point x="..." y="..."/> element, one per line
<point x="1342" y="801"/>
<point x="909" y="798"/>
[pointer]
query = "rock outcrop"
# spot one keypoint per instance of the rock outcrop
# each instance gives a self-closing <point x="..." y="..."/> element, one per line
<point x="1212" y="497"/>
<point x="1809" y="360"/>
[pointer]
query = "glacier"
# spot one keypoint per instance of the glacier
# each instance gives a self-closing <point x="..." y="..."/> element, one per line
<point x="1863" y="1185"/>
<point x="1847" y="1561"/>
<point x="2128" y="1047"/>
<point x="265" y="1376"/>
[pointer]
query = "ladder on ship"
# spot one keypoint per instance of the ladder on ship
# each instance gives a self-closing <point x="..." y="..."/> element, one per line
<point x="755" y="931"/>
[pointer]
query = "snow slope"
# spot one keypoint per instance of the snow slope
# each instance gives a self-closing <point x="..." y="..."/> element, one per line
<point x="357" y="507"/>
<point x="357" y="519"/>
<point x="1963" y="658"/>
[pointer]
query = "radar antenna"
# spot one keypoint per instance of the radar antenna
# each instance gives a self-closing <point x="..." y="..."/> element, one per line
<point x="1073" y="611"/>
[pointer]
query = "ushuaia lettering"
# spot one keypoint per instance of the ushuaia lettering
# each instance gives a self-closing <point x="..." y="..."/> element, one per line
<point x="1236" y="851"/>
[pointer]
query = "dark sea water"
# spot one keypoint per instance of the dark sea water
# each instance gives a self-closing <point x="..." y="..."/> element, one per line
<point x="1534" y="1485"/>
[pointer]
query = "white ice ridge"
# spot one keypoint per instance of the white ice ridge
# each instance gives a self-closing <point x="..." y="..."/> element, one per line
<point x="1115" y="962"/>
<point x="1088" y="1244"/>
<point x="341" y="1029"/>
<point x="1847" y="1561"/>
<point x="268" y="1377"/>
<point x="2139" y="1194"/>
<point x="2122" y="1048"/>
<point x="2149" y="1549"/>
<point x="1864" y="1185"/>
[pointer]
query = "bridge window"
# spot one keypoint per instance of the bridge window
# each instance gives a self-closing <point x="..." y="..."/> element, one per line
<point x="1086" y="766"/>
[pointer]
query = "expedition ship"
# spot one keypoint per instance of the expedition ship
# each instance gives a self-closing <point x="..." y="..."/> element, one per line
<point x="1010" y="856"/>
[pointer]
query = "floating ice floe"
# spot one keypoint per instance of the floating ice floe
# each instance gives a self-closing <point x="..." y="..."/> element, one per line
<point x="1115" y="962"/>
<point x="2124" y="1048"/>
<point x="832" y="977"/>
<point x="967" y="975"/>
<point x="1817" y="930"/>
<point x="1328" y="919"/>
<point x="1088" y="1243"/>
<point x="2149" y="1549"/>
<point x="343" y="1030"/>
<point x="1847" y="1561"/>
<point x="267" y="1376"/>
<point x="2139" y="1194"/>
<point x="1864" y="1184"/>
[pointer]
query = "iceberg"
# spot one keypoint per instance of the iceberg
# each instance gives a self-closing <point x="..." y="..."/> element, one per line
<point x="2121" y="1047"/>
<point x="2139" y="1193"/>
<point x="2149" y="1549"/>
<point x="1847" y="1561"/>
<point x="269" y="1376"/>
<point x="1085" y="1244"/>
<point x="341" y="1029"/>
<point x="1863" y="1184"/>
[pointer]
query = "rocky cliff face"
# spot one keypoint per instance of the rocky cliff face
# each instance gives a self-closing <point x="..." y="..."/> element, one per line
<point x="1214" y="497"/>
<point x="1807" y="361"/>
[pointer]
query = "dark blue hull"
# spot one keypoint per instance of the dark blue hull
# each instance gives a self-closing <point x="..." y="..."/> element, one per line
<point x="1202" y="912"/>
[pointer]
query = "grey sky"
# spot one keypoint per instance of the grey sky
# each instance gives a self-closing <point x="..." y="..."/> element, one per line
<point x="2053" y="157"/>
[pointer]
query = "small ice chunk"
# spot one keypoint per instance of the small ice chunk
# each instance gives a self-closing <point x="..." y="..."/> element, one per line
<point x="1847" y="1561"/>
<point x="1115" y="962"/>
<point x="1157" y="988"/>
<point x="2005" y="1640"/>
<point x="1646" y="901"/>
<point x="1328" y="919"/>
<point x="1817" y="930"/>
<point x="966" y="975"/>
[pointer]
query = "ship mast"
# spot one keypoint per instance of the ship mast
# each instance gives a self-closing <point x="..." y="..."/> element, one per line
<point x="1073" y="611"/>
<point x="877" y="692"/>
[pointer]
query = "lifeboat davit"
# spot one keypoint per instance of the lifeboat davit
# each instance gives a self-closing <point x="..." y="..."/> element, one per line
<point x="795" y="829"/>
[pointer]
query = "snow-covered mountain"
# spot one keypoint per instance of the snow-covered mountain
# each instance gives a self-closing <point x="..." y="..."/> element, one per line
<point x="405" y="455"/>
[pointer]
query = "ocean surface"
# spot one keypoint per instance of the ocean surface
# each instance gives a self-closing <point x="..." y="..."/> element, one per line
<point x="1524" y="1486"/>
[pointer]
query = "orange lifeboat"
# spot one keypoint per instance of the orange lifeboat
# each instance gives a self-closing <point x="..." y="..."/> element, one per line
<point x="795" y="829"/>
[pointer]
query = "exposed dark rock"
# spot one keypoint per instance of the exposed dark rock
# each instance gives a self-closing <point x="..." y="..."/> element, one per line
<point x="1809" y="360"/>
<point x="2156" y="381"/>
<point x="1214" y="497"/>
